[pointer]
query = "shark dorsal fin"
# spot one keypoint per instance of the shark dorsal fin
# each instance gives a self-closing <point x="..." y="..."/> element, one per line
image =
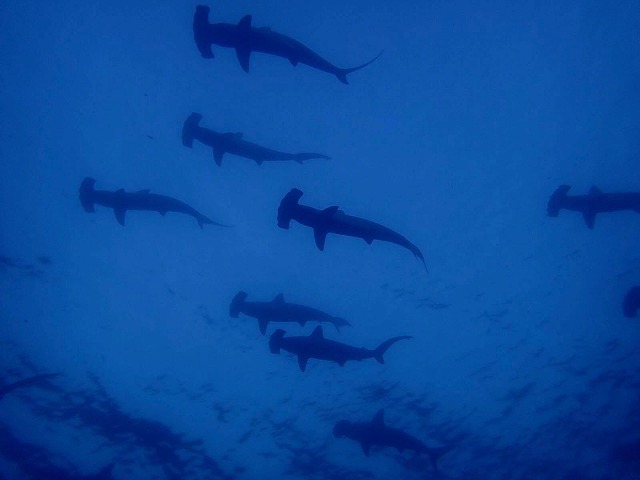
<point x="144" y="191"/>
<point x="317" y="332"/>
<point x="330" y="211"/>
<point x="278" y="298"/>
<point x="378" y="418"/>
<point x="245" y="22"/>
<point x="595" y="191"/>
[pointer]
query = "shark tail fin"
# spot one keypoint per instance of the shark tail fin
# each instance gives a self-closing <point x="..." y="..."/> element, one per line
<point x="200" y="31"/>
<point x="418" y="254"/>
<point x="384" y="346"/>
<point x="86" y="194"/>
<point x="289" y="201"/>
<point x="275" y="340"/>
<point x="236" y="304"/>
<point x="301" y="157"/>
<point x="340" y="322"/>
<point x="190" y="124"/>
<point x="556" y="200"/>
<point x="343" y="72"/>
<point x="436" y="453"/>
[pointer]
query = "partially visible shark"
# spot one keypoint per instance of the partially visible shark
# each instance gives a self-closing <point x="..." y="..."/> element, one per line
<point x="590" y="205"/>
<point x="376" y="433"/>
<point x="278" y="310"/>
<point x="631" y="302"/>
<point x="334" y="220"/>
<point x="234" y="144"/>
<point x="316" y="346"/>
<point x="26" y="382"/>
<point x="245" y="39"/>
<point x="122" y="201"/>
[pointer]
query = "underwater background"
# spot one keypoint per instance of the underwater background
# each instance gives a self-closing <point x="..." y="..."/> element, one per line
<point x="521" y="359"/>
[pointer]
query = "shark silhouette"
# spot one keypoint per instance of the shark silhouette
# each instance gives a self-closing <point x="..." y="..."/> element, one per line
<point x="631" y="302"/>
<point x="377" y="433"/>
<point x="334" y="220"/>
<point x="26" y="382"/>
<point x="593" y="203"/>
<point x="122" y="201"/>
<point x="278" y="310"/>
<point x="316" y="346"/>
<point x="234" y="144"/>
<point x="246" y="39"/>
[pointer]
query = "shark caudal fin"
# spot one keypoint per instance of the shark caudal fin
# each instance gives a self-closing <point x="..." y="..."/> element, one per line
<point x="289" y="201"/>
<point x="631" y="302"/>
<point x="190" y="124"/>
<point x="556" y="200"/>
<point x="339" y="322"/>
<point x="301" y="157"/>
<point x="435" y="454"/>
<point x="86" y="194"/>
<point x="418" y="254"/>
<point x="342" y="73"/>
<point x="384" y="346"/>
<point x="202" y="220"/>
<point x="236" y="304"/>
<point x="275" y="340"/>
<point x="200" y="31"/>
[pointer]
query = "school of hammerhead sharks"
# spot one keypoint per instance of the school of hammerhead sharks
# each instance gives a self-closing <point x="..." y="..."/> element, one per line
<point x="245" y="39"/>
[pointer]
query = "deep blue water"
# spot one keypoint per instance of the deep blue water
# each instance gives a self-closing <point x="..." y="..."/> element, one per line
<point x="521" y="359"/>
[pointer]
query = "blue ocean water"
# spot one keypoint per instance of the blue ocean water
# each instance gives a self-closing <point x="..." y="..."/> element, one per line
<point x="521" y="360"/>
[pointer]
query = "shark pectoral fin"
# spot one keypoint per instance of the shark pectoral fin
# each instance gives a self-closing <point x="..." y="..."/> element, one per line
<point x="341" y="362"/>
<point x="302" y="362"/>
<point x="369" y="240"/>
<point x="278" y="298"/>
<point x="365" y="448"/>
<point x="589" y="218"/>
<point x="378" y="418"/>
<point x="262" y="324"/>
<point x="294" y="61"/>
<point x="217" y="156"/>
<point x="244" y="55"/>
<point x="258" y="161"/>
<point x="120" y="212"/>
<point x="320" y="237"/>
<point x="162" y="212"/>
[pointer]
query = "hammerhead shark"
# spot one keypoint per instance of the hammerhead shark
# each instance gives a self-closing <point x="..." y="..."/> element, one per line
<point x="334" y="220"/>
<point x="631" y="302"/>
<point x="26" y="382"/>
<point x="278" y="310"/>
<point x="316" y="346"/>
<point x="234" y="144"/>
<point x="246" y="39"/>
<point x="376" y="433"/>
<point x="122" y="201"/>
<point x="593" y="203"/>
